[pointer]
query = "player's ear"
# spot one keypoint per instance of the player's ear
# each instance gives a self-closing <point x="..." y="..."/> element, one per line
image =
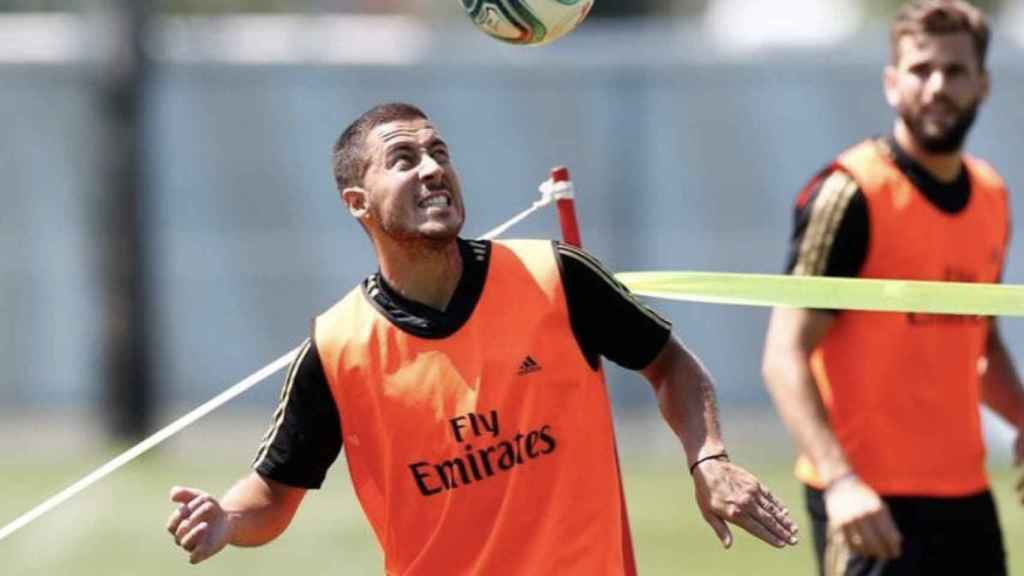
<point x="890" y="82"/>
<point x="356" y="200"/>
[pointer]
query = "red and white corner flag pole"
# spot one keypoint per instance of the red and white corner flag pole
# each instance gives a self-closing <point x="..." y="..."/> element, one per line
<point x="565" y="200"/>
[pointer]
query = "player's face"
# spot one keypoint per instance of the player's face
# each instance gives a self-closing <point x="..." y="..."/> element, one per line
<point x="412" y="188"/>
<point x="936" y="87"/>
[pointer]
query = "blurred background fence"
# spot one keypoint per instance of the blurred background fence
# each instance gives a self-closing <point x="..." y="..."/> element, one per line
<point x="169" y="223"/>
<point x="687" y="147"/>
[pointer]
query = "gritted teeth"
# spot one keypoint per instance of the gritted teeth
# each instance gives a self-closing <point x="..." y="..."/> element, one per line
<point x="440" y="200"/>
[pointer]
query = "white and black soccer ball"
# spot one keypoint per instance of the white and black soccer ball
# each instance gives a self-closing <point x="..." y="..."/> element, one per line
<point x="531" y="22"/>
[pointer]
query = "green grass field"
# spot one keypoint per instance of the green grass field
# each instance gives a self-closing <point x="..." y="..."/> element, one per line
<point x="116" y="527"/>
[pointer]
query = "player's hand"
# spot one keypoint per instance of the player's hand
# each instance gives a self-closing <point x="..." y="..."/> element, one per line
<point x="860" y="515"/>
<point x="727" y="493"/>
<point x="199" y="525"/>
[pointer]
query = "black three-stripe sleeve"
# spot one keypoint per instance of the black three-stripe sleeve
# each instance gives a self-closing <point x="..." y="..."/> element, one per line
<point x="606" y="318"/>
<point x="304" y="438"/>
<point x="830" y="230"/>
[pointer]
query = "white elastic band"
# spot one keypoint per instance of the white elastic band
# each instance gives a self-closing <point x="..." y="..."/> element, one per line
<point x="190" y="418"/>
<point x="557" y="190"/>
<point x="144" y="446"/>
<point x="548" y="193"/>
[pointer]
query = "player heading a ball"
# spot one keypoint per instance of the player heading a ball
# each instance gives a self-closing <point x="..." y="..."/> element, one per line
<point x="532" y="22"/>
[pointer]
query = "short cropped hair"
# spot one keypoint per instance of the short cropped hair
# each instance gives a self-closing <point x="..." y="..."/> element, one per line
<point x="938" y="17"/>
<point x="348" y="159"/>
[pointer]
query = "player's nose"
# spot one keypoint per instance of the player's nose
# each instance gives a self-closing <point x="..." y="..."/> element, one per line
<point x="430" y="169"/>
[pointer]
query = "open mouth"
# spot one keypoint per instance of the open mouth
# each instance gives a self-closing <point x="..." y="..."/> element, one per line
<point x="436" y="201"/>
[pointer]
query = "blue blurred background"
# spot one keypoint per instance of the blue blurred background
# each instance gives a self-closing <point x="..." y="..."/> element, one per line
<point x="689" y="128"/>
<point x="169" y="223"/>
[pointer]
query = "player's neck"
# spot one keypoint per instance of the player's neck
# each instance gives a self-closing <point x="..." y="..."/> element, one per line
<point x="424" y="273"/>
<point x="944" y="167"/>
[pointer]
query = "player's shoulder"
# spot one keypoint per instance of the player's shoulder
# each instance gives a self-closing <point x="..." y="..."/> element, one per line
<point x="838" y="180"/>
<point x="476" y="247"/>
<point x="533" y="253"/>
<point x="981" y="169"/>
<point x="564" y="253"/>
<point x="518" y="244"/>
<point x="836" y="188"/>
<point x="347" y="307"/>
<point x="574" y="255"/>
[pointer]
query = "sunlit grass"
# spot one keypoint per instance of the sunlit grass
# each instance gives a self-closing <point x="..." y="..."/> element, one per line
<point x="116" y="527"/>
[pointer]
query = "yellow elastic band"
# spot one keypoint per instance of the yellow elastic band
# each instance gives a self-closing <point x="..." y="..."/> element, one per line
<point x="830" y="293"/>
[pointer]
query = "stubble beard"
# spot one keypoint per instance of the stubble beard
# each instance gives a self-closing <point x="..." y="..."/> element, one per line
<point x="949" y="140"/>
<point x="431" y="240"/>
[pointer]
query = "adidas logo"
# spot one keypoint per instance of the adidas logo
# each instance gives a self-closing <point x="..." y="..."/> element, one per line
<point x="527" y="366"/>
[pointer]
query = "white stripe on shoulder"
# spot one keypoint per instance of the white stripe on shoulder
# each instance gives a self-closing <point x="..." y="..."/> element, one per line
<point x="282" y="405"/>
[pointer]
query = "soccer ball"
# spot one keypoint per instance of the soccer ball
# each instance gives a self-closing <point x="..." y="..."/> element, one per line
<point x="532" y="22"/>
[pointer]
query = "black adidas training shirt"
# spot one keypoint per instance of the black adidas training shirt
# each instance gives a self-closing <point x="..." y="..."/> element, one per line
<point x="304" y="438"/>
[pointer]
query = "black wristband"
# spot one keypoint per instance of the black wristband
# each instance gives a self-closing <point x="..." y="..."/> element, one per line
<point x="722" y="454"/>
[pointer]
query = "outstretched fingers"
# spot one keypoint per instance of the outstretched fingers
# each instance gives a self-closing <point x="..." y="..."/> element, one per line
<point x="720" y="527"/>
<point x="764" y="521"/>
<point x="775" y="516"/>
<point x="728" y="493"/>
<point x="777" y="505"/>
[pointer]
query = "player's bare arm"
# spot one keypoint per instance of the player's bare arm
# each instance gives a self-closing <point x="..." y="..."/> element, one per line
<point x="792" y="335"/>
<point x="725" y="492"/>
<point x="853" y="507"/>
<point x="255" y="511"/>
<point x="1001" y="391"/>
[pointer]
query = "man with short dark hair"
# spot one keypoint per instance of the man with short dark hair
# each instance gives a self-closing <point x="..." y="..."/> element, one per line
<point x="884" y="406"/>
<point x="464" y="380"/>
